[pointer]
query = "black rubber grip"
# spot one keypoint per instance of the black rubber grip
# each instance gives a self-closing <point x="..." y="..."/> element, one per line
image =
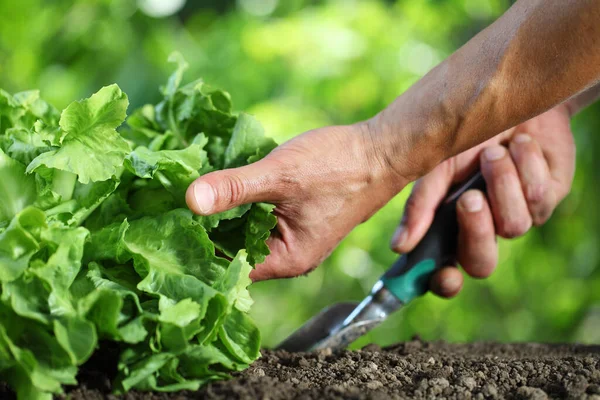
<point x="436" y="250"/>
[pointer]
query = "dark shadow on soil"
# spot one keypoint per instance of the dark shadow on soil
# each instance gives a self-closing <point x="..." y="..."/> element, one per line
<point x="409" y="370"/>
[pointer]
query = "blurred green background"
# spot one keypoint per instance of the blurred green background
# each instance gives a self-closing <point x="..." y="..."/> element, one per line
<point x="302" y="64"/>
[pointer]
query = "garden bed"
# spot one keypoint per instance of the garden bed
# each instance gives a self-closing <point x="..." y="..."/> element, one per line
<point x="413" y="369"/>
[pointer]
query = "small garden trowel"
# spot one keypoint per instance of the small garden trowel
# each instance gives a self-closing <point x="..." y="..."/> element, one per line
<point x="341" y="324"/>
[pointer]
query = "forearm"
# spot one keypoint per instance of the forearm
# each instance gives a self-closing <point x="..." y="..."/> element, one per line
<point x="539" y="54"/>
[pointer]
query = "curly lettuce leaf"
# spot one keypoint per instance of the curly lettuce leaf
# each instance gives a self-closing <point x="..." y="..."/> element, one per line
<point x="43" y="338"/>
<point x="248" y="141"/>
<point x="258" y="228"/>
<point x="24" y="110"/>
<point x="19" y="242"/>
<point x="96" y="244"/>
<point x="90" y="146"/>
<point x="174" y="169"/>
<point x="174" y="261"/>
<point x="249" y="232"/>
<point x="196" y="293"/>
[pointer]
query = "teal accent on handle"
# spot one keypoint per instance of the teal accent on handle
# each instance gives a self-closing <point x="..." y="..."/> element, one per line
<point x="412" y="284"/>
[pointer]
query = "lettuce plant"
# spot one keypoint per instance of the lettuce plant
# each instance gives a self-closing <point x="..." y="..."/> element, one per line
<point x="97" y="245"/>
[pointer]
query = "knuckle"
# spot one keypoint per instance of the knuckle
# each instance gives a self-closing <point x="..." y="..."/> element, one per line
<point x="304" y="270"/>
<point x="298" y="263"/>
<point x="412" y="206"/>
<point x="300" y="267"/>
<point x="287" y="181"/>
<point x="503" y="173"/>
<point x="477" y="229"/>
<point x="541" y="201"/>
<point x="541" y="215"/>
<point x="535" y="193"/>
<point x="515" y="227"/>
<point x="234" y="190"/>
<point x="501" y="178"/>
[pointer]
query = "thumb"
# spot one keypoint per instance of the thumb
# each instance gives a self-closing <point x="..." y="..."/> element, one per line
<point x="427" y="194"/>
<point x="220" y="191"/>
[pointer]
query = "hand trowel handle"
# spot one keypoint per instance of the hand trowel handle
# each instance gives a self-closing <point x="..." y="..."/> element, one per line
<point x="410" y="275"/>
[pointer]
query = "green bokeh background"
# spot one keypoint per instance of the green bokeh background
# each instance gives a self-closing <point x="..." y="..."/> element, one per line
<point x="302" y="64"/>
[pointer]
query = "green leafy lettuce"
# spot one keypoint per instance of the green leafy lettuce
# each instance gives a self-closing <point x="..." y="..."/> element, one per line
<point x="97" y="245"/>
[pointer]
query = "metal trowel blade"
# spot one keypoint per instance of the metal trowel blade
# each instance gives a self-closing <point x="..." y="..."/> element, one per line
<point x="317" y="328"/>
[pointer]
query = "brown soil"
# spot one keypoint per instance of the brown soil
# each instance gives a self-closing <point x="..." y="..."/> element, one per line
<point x="408" y="370"/>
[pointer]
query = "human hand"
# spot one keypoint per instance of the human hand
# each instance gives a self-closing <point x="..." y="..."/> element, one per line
<point x="528" y="170"/>
<point x="323" y="183"/>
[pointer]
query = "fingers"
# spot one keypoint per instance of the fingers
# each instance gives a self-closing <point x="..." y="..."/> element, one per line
<point x="535" y="177"/>
<point x="272" y="268"/>
<point x="508" y="204"/>
<point x="284" y="262"/>
<point x="222" y="190"/>
<point x="519" y="194"/>
<point x="420" y="208"/>
<point x="477" y="248"/>
<point x="447" y="282"/>
<point x="559" y="151"/>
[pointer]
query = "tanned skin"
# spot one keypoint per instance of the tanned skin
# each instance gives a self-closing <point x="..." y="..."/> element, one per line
<point x="516" y="83"/>
<point x="537" y="55"/>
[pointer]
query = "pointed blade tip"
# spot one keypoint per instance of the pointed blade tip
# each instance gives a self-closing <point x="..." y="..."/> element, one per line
<point x="318" y="328"/>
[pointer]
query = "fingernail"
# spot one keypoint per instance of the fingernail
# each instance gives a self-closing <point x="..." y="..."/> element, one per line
<point x="522" y="138"/>
<point x="399" y="237"/>
<point x="472" y="201"/>
<point x="494" y="153"/>
<point x="449" y="285"/>
<point x="204" y="196"/>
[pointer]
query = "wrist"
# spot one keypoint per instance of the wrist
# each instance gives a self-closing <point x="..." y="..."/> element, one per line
<point x="410" y="142"/>
<point x="377" y="159"/>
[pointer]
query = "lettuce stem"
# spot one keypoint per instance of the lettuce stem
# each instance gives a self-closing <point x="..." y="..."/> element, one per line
<point x="63" y="184"/>
<point x="173" y="125"/>
<point x="66" y="207"/>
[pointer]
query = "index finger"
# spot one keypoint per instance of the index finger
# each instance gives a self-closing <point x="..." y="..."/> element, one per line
<point x="427" y="194"/>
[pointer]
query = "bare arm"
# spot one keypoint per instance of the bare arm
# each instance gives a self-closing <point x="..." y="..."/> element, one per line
<point x="533" y="173"/>
<point x="324" y="182"/>
<point x="539" y="54"/>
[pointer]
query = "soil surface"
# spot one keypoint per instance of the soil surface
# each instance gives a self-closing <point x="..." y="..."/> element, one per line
<point x="409" y="370"/>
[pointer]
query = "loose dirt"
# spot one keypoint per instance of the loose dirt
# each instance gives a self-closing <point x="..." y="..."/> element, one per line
<point x="409" y="370"/>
